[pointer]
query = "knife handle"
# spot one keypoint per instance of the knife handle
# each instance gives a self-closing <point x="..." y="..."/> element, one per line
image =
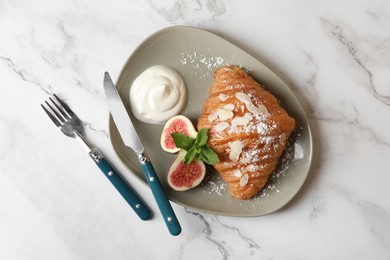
<point x="160" y="197"/>
<point x="127" y="193"/>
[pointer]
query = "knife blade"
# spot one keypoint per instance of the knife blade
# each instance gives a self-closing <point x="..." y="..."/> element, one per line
<point x="131" y="139"/>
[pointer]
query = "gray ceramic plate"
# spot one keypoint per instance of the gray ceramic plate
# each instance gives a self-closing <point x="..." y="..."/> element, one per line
<point x="195" y="54"/>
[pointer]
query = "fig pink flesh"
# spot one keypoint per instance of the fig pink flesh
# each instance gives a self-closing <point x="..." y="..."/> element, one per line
<point x="186" y="174"/>
<point x="177" y="126"/>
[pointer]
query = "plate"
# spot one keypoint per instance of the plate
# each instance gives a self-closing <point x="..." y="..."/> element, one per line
<point x="195" y="54"/>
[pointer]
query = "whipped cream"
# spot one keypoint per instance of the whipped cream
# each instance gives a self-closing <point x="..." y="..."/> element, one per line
<point x="157" y="94"/>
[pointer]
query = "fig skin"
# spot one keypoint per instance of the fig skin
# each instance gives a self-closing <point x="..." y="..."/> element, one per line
<point x="186" y="178"/>
<point x="179" y="124"/>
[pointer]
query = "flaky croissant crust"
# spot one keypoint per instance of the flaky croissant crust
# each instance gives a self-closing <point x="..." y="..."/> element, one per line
<point x="241" y="115"/>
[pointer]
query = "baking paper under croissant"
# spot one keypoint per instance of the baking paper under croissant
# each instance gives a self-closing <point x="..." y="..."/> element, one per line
<point x="256" y="122"/>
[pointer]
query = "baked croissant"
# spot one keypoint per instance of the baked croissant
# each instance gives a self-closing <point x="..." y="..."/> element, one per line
<point x="247" y="128"/>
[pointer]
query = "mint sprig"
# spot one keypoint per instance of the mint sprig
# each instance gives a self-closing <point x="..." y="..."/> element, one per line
<point x="208" y="154"/>
<point x="196" y="148"/>
<point x="182" y="141"/>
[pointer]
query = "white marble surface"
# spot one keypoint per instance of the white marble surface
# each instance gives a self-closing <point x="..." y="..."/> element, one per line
<point x="55" y="204"/>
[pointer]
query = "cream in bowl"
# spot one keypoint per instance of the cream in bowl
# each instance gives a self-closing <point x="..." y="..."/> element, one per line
<point x="157" y="94"/>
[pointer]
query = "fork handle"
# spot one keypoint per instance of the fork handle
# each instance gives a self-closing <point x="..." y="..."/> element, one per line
<point x="127" y="193"/>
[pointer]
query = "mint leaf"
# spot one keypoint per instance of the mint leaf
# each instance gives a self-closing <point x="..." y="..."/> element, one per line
<point x="208" y="155"/>
<point x="196" y="148"/>
<point x="182" y="141"/>
<point x="190" y="155"/>
<point x="200" y="156"/>
<point x="201" y="137"/>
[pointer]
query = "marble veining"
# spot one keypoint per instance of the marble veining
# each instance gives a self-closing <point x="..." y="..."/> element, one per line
<point x="208" y="233"/>
<point x="357" y="56"/>
<point x="225" y="248"/>
<point x="180" y="10"/>
<point x="56" y="204"/>
<point x="22" y="73"/>
<point x="377" y="219"/>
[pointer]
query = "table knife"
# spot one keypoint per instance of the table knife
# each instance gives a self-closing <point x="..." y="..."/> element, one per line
<point x="131" y="139"/>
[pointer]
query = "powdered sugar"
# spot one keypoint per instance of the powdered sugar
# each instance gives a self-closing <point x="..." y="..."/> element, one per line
<point x="246" y="157"/>
<point x="201" y="65"/>
<point x="216" y="187"/>
<point x="279" y="173"/>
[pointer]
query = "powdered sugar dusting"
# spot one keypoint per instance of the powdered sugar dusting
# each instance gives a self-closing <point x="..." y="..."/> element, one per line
<point x="279" y="173"/>
<point x="201" y="65"/>
<point x="217" y="186"/>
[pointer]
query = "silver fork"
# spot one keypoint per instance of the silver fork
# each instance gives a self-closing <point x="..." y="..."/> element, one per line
<point x="69" y="124"/>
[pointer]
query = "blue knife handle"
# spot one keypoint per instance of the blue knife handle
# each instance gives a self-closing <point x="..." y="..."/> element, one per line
<point x="161" y="199"/>
<point x="127" y="193"/>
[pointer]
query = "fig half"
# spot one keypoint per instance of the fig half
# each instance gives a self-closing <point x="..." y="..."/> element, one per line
<point x="182" y="177"/>
<point x="177" y="124"/>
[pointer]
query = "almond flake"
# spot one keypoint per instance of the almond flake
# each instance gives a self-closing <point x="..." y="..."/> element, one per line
<point x="257" y="110"/>
<point x="221" y="126"/>
<point x="222" y="97"/>
<point x="243" y="97"/>
<point x="248" y="116"/>
<point x="282" y="138"/>
<point x="212" y="116"/>
<point x="224" y="114"/>
<point x="235" y="150"/>
<point x="244" y="180"/>
<point x="237" y="173"/>
<point x="240" y="121"/>
<point x="229" y="107"/>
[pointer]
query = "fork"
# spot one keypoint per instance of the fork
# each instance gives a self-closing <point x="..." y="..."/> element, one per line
<point x="69" y="124"/>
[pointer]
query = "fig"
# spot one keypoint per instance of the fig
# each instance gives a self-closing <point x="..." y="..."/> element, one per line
<point x="182" y="177"/>
<point x="179" y="124"/>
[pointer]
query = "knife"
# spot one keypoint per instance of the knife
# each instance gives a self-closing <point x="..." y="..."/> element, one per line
<point x="130" y="138"/>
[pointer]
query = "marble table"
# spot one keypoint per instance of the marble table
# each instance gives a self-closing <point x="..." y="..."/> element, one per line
<point x="55" y="204"/>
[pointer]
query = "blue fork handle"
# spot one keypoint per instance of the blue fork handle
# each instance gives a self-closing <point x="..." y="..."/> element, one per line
<point x="127" y="193"/>
<point x="160" y="197"/>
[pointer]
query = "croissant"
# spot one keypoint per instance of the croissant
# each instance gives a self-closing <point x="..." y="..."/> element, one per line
<point x="247" y="128"/>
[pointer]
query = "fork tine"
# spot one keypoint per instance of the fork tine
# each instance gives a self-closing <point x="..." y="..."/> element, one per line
<point x="51" y="116"/>
<point x="60" y="109"/>
<point x="64" y="105"/>
<point x="53" y="110"/>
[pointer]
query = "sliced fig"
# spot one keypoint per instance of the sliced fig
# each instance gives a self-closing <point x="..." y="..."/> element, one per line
<point x="179" y="124"/>
<point x="182" y="177"/>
